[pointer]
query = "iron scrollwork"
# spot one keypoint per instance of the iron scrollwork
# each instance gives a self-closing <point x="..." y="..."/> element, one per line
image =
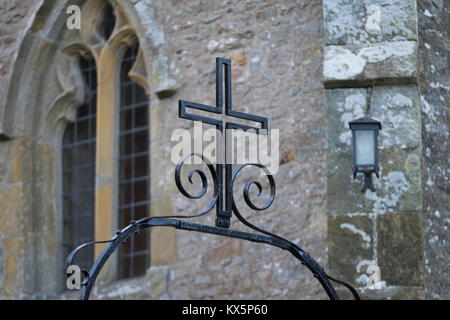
<point x="204" y="179"/>
<point x="222" y="198"/>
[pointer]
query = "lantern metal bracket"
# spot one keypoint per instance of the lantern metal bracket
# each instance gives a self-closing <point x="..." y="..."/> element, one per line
<point x="368" y="183"/>
<point x="223" y="213"/>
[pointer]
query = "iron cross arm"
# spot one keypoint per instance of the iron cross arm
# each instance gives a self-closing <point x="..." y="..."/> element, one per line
<point x="223" y="79"/>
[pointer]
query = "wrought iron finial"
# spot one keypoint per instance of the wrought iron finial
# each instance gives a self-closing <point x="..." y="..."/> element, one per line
<point x="223" y="106"/>
<point x="222" y="197"/>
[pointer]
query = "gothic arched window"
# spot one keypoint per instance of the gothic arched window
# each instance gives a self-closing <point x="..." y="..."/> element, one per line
<point x="92" y="211"/>
<point x="78" y="169"/>
<point x="134" y="178"/>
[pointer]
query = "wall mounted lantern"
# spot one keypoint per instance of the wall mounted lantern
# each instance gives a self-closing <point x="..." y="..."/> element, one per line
<point x="365" y="149"/>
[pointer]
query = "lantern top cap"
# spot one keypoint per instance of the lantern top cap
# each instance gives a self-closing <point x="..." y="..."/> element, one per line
<point x="365" y="120"/>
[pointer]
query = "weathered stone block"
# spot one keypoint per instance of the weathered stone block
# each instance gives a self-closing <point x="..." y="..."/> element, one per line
<point x="400" y="249"/>
<point x="350" y="247"/>
<point x="356" y="21"/>
<point x="10" y="276"/>
<point x="5" y="170"/>
<point x="21" y="162"/>
<point x="226" y="251"/>
<point x="14" y="246"/>
<point x="382" y="63"/>
<point x="158" y="280"/>
<point x="164" y="85"/>
<point x="392" y="293"/>
<point x="27" y="157"/>
<point x="398" y="109"/>
<point x="129" y="289"/>
<point x="239" y="59"/>
<point x="343" y="106"/>
<point x="163" y="239"/>
<point x="14" y="275"/>
<point x="14" y="203"/>
<point x="47" y="246"/>
<point x="434" y="84"/>
<point x="344" y="192"/>
<point x="2" y="263"/>
<point x="398" y="189"/>
<point x="156" y="118"/>
<point x="162" y="182"/>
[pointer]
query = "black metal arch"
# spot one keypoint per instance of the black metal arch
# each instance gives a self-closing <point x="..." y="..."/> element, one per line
<point x="223" y="210"/>
<point x="137" y="226"/>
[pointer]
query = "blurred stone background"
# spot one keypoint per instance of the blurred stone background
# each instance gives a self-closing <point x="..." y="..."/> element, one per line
<point x="310" y="66"/>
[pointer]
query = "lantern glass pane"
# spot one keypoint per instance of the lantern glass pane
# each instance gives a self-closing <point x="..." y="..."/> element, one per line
<point x="365" y="147"/>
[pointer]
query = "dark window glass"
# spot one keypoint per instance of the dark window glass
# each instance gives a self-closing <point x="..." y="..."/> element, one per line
<point x="134" y="171"/>
<point x="108" y="22"/>
<point x="78" y="165"/>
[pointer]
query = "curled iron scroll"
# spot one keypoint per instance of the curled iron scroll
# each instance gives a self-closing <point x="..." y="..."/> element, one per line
<point x="246" y="194"/>
<point x="204" y="180"/>
<point x="73" y="254"/>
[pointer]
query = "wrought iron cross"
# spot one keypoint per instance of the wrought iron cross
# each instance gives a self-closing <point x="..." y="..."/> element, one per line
<point x="223" y="76"/>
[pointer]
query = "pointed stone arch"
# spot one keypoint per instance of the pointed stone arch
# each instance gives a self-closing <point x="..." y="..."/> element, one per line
<point x="43" y="93"/>
<point x="41" y="41"/>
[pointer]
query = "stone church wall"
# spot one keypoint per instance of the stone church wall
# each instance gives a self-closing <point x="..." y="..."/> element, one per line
<point x="310" y="66"/>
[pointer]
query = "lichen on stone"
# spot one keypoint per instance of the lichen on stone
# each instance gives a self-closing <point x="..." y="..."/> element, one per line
<point x="393" y="186"/>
